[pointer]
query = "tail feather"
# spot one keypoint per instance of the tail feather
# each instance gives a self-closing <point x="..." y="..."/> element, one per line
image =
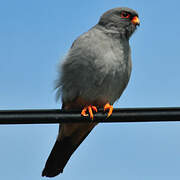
<point x="58" y="157"/>
<point x="62" y="151"/>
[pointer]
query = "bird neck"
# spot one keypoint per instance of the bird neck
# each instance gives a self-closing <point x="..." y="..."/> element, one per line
<point x="114" y="32"/>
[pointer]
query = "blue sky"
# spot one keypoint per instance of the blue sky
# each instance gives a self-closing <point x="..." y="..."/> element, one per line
<point x="34" y="36"/>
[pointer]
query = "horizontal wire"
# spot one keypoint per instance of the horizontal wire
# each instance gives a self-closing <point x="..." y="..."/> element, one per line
<point x="123" y="115"/>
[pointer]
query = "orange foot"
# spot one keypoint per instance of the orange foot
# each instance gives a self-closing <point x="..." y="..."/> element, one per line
<point x="110" y="107"/>
<point x="90" y="108"/>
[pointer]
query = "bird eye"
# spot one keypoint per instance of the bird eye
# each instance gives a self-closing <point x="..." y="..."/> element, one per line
<point x="125" y="15"/>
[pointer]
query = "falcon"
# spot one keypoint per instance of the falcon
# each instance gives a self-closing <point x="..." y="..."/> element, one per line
<point x="93" y="75"/>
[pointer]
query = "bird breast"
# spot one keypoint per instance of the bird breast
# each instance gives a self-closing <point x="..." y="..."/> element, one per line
<point x="115" y="70"/>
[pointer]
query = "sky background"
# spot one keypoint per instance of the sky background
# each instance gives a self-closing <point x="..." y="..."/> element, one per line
<point x="34" y="37"/>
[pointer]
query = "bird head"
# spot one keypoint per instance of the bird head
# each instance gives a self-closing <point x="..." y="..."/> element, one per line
<point x="123" y="20"/>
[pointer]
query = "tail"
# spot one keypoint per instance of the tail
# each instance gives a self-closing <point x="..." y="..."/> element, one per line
<point x="58" y="157"/>
<point x="63" y="149"/>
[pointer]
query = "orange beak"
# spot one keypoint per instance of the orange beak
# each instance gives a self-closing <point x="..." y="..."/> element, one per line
<point x="135" y="20"/>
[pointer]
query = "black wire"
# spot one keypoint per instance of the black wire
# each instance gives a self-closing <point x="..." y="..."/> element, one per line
<point x="49" y="116"/>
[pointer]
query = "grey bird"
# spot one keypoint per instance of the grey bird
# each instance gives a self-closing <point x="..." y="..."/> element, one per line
<point x="93" y="75"/>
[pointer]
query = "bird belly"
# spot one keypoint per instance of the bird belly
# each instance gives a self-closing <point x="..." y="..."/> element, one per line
<point x="111" y="86"/>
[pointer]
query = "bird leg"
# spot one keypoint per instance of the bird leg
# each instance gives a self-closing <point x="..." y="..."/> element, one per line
<point x="108" y="107"/>
<point x="90" y="109"/>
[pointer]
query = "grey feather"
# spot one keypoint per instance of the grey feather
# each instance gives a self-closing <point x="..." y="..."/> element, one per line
<point x="97" y="66"/>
